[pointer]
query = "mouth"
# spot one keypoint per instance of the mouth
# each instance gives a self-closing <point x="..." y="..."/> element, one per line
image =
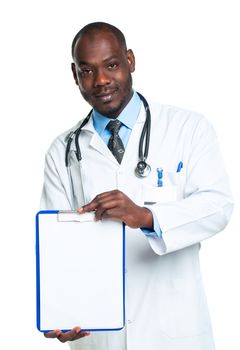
<point x="106" y="96"/>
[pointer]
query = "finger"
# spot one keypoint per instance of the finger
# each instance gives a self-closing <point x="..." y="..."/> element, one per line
<point x="87" y="208"/>
<point x="113" y="213"/>
<point x="103" y="206"/>
<point x="68" y="336"/>
<point x="108" y="193"/>
<point x="52" y="334"/>
<point x="81" y="335"/>
<point x="94" y="204"/>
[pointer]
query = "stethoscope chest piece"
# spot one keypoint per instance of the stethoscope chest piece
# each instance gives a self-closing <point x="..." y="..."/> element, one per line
<point x="143" y="169"/>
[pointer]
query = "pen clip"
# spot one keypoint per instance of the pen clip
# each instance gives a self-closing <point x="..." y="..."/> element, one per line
<point x="159" y="177"/>
<point x="180" y="166"/>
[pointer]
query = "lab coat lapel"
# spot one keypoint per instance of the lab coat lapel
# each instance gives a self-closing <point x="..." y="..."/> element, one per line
<point x="97" y="143"/>
<point x="131" y="151"/>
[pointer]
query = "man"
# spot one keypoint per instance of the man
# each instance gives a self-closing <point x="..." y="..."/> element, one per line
<point x="184" y="200"/>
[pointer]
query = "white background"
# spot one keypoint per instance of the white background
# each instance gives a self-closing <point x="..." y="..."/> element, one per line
<point x="187" y="54"/>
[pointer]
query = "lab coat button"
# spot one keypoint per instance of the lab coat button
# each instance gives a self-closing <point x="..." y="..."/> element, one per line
<point x="129" y="321"/>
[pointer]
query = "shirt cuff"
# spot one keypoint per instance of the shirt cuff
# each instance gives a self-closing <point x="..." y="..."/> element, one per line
<point x="156" y="231"/>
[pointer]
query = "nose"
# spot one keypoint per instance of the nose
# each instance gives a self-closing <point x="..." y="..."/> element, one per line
<point x="101" y="78"/>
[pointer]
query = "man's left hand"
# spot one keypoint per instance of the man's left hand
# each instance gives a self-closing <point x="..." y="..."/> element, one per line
<point x="116" y="205"/>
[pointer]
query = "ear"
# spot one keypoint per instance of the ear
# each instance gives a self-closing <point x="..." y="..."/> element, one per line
<point x="131" y="60"/>
<point x="73" y="66"/>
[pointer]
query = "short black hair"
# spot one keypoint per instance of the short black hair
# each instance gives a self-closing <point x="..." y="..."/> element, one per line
<point x="100" y="26"/>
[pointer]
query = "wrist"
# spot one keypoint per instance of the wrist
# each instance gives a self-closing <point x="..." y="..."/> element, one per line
<point x="147" y="219"/>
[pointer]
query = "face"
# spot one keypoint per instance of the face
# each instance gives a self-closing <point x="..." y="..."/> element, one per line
<point x="102" y="69"/>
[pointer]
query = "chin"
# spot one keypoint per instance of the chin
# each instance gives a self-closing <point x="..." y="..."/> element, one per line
<point x="111" y="110"/>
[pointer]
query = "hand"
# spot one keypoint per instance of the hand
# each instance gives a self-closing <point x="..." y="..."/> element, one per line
<point x="74" y="334"/>
<point x="116" y="205"/>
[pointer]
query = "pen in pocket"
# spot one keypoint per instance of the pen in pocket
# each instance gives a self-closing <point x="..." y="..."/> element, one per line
<point x="159" y="177"/>
<point x="180" y="165"/>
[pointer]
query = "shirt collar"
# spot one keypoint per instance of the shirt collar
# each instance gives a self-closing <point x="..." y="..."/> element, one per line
<point x="128" y="116"/>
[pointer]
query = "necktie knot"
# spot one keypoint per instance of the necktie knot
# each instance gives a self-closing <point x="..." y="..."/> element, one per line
<point x="114" y="126"/>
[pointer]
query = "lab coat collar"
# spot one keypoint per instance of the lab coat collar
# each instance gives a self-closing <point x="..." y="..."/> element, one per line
<point x="141" y="118"/>
<point x="98" y="144"/>
<point x="128" y="116"/>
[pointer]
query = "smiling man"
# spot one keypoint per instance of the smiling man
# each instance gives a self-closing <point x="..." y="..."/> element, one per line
<point x="102" y="69"/>
<point x="156" y="168"/>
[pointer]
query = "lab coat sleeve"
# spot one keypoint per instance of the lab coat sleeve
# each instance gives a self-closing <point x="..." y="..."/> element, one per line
<point x="54" y="194"/>
<point x="156" y="231"/>
<point x="206" y="204"/>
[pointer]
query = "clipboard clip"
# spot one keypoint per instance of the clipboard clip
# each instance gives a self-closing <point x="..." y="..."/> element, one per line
<point x="73" y="215"/>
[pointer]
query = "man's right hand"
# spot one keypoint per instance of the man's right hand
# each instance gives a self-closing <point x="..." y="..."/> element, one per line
<point x="74" y="334"/>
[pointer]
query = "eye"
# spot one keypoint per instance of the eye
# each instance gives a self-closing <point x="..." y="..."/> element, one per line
<point x="86" y="71"/>
<point x="112" y="66"/>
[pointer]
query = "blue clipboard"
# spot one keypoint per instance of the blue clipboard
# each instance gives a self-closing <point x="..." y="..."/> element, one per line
<point x="80" y="272"/>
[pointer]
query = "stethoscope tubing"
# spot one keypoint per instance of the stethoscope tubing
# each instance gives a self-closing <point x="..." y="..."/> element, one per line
<point x="145" y="132"/>
<point x="142" y="151"/>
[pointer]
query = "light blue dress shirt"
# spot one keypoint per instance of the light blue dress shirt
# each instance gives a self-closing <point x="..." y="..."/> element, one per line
<point x="128" y="118"/>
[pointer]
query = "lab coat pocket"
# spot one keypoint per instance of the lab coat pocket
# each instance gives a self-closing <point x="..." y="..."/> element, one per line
<point x="175" y="179"/>
<point x="170" y="191"/>
<point x="154" y="194"/>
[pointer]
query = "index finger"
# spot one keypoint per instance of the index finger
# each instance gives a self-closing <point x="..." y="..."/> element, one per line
<point x="91" y="206"/>
<point x="88" y="207"/>
<point x="74" y="334"/>
<point x="52" y="334"/>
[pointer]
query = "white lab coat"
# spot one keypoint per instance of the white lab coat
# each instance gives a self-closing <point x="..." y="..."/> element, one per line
<point x="165" y="302"/>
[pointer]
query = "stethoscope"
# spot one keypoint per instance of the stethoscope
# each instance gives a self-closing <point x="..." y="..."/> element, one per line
<point x="142" y="169"/>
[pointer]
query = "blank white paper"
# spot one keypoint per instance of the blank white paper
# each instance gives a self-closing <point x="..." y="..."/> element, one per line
<point x="81" y="273"/>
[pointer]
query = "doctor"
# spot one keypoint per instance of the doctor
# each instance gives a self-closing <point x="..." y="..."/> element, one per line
<point x="182" y="198"/>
